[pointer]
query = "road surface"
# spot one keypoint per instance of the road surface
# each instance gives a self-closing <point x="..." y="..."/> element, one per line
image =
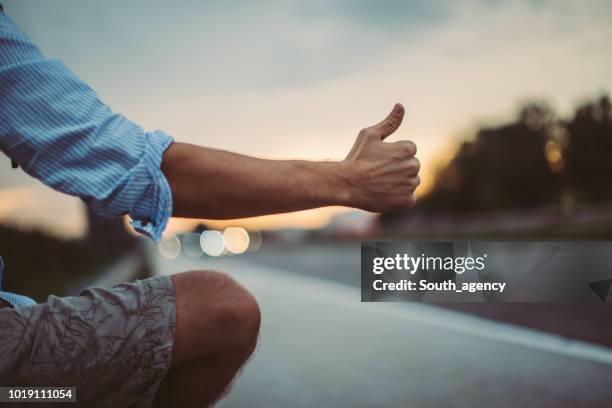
<point x="320" y="346"/>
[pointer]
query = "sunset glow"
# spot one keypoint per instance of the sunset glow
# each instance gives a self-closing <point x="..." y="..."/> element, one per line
<point x="242" y="87"/>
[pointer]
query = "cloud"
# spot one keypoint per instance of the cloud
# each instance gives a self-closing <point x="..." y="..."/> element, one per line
<point x="299" y="79"/>
<point x="250" y="76"/>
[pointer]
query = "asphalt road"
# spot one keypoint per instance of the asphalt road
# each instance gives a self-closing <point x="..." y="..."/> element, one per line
<point x="320" y="346"/>
<point x="340" y="263"/>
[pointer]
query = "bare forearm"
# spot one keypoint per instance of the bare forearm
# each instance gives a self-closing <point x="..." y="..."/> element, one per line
<point x="375" y="176"/>
<point x="209" y="183"/>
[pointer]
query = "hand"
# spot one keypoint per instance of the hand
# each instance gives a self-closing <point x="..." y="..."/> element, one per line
<point x="382" y="176"/>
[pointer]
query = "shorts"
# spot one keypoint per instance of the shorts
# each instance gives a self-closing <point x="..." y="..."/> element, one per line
<point x="114" y="345"/>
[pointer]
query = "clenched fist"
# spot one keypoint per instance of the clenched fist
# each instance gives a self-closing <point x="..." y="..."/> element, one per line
<point x="382" y="176"/>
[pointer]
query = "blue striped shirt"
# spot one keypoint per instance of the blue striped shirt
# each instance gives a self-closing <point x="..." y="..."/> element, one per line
<point x="57" y="129"/>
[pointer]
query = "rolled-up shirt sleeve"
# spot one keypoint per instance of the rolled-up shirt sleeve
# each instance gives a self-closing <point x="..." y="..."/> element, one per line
<point x="59" y="131"/>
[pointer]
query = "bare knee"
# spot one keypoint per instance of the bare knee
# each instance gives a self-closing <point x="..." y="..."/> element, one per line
<point x="216" y="317"/>
<point x="236" y="314"/>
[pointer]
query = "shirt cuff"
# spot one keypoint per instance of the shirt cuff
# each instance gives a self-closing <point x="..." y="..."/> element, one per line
<point x="151" y="213"/>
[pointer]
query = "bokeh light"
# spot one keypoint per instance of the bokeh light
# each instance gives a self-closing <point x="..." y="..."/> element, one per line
<point x="170" y="247"/>
<point x="191" y="245"/>
<point x="554" y="155"/>
<point x="236" y="240"/>
<point x="212" y="243"/>
<point x="255" y="240"/>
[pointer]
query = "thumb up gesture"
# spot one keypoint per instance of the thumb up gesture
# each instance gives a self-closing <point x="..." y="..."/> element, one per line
<point x="382" y="175"/>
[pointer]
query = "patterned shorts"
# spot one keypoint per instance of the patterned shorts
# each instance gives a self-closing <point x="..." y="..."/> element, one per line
<point x="114" y="345"/>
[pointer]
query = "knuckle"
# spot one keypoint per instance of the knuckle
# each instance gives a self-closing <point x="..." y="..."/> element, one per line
<point x="415" y="181"/>
<point x="364" y="134"/>
<point x="415" y="164"/>
<point x="412" y="147"/>
<point x="407" y="148"/>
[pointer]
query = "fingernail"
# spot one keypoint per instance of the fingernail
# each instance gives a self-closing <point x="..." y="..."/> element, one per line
<point x="397" y="110"/>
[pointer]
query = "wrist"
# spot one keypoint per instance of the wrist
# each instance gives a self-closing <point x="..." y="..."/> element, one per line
<point x="327" y="183"/>
<point x="339" y="185"/>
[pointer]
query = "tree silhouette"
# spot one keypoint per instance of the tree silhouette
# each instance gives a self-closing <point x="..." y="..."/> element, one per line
<point x="589" y="152"/>
<point x="505" y="167"/>
<point x="534" y="161"/>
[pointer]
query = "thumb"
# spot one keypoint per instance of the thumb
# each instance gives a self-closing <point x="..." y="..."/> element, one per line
<point x="390" y="123"/>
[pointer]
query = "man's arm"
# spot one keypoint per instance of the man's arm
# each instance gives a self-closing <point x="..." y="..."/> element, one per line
<point x="375" y="176"/>
<point x="59" y="131"/>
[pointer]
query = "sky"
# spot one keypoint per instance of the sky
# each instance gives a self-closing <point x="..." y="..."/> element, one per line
<point x="300" y="79"/>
